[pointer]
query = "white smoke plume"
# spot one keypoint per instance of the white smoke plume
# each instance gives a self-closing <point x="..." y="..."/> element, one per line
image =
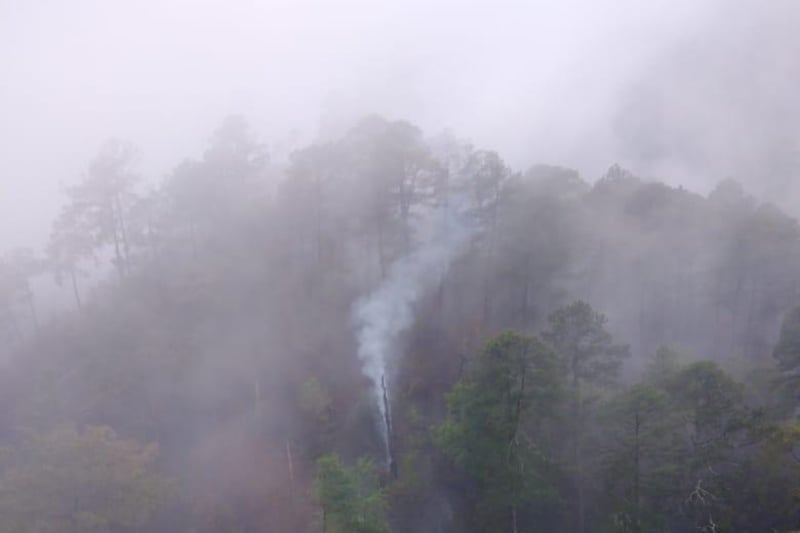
<point x="385" y="313"/>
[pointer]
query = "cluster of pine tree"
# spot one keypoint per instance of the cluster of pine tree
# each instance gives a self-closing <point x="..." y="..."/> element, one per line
<point x="206" y="378"/>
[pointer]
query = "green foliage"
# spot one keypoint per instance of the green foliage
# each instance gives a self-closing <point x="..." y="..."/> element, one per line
<point x="787" y="355"/>
<point x="315" y="400"/>
<point x="666" y="362"/>
<point x="787" y="350"/>
<point x="350" y="498"/>
<point x="491" y="432"/>
<point x="589" y="360"/>
<point x="315" y="406"/>
<point x="712" y="404"/>
<point x="92" y="480"/>
<point x="99" y="208"/>
<point x="227" y="338"/>
<point x="765" y="489"/>
<point x="642" y="439"/>
<point x="586" y="349"/>
<point x="686" y="452"/>
<point x="713" y="423"/>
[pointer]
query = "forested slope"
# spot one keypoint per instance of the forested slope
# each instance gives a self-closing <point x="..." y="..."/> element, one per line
<point x="619" y="355"/>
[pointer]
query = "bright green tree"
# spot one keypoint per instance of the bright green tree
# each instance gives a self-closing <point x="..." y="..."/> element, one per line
<point x="350" y="498"/>
<point x="641" y="439"/>
<point x="715" y="425"/>
<point x="763" y="494"/>
<point x="493" y="427"/>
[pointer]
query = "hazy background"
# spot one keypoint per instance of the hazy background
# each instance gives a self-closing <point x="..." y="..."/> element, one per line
<point x="686" y="91"/>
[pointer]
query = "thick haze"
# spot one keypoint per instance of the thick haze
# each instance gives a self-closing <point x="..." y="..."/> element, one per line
<point x="687" y="91"/>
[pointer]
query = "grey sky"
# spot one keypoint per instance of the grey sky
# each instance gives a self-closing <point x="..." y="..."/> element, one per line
<point x="685" y="90"/>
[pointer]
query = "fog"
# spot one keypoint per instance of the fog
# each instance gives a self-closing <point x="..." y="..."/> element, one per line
<point x="687" y="91"/>
<point x="374" y="267"/>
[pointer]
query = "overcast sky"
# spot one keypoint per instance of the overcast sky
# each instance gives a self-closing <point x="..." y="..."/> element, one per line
<point x="689" y="91"/>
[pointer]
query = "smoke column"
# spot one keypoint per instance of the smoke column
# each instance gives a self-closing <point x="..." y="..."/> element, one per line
<point x="387" y="414"/>
<point x="384" y="314"/>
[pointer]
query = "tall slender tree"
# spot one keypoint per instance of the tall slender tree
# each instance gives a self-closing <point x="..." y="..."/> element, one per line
<point x="493" y="430"/>
<point x="589" y="359"/>
<point x="99" y="207"/>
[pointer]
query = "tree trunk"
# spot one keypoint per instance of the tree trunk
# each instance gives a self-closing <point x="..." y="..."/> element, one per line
<point x="581" y="511"/>
<point x="526" y="291"/>
<point x="514" y="519"/>
<point x="75" y="289"/>
<point x="636" y="473"/>
<point x="488" y="267"/>
<point x="290" y="463"/>
<point x="123" y="233"/>
<point x="318" y="219"/>
<point x="257" y="401"/>
<point x="118" y="255"/>
<point x="514" y="436"/>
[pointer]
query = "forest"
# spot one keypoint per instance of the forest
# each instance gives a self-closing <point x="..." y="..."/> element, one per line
<point x="396" y="332"/>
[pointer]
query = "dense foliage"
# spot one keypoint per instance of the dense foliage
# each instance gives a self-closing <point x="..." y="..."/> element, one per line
<point x="618" y="356"/>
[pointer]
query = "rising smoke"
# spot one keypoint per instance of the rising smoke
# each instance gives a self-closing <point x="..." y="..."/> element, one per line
<point x="383" y="315"/>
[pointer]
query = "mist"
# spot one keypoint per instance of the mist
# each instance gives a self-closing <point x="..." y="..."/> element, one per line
<point x="373" y="267"/>
<point x="563" y="83"/>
